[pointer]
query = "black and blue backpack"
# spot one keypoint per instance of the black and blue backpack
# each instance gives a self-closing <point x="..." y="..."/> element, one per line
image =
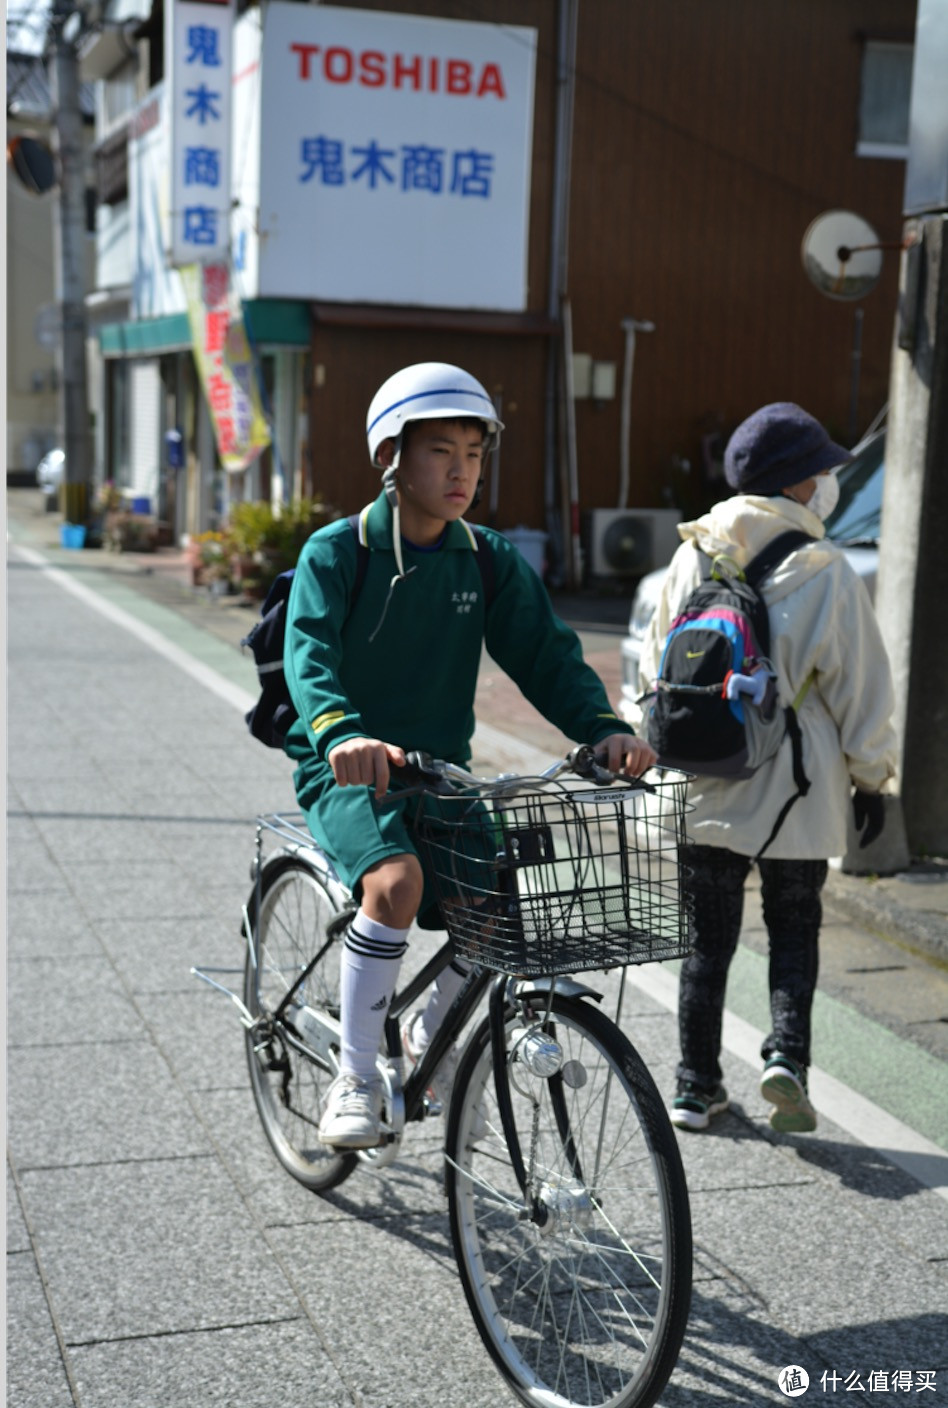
<point x="695" y="719"/>
<point x="274" y="712"/>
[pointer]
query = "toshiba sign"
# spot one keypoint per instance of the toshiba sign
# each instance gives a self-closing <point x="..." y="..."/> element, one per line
<point x="393" y="163"/>
<point x="413" y="72"/>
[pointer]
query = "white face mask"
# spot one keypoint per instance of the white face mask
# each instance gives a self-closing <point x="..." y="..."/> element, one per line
<point x="825" y="496"/>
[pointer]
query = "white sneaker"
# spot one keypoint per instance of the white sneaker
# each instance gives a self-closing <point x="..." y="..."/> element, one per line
<point x="352" y="1114"/>
<point x="442" y="1082"/>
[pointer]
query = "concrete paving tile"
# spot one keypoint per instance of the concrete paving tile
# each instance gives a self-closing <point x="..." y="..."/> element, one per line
<point x="201" y="1035"/>
<point x="37" y="759"/>
<point x="804" y="1230"/>
<point x="75" y="998"/>
<point x="395" y="1283"/>
<point x="94" y="840"/>
<point x="254" y="1366"/>
<point x="150" y="1249"/>
<point x="127" y="887"/>
<point x="102" y="1102"/>
<point x="732" y="1355"/>
<point x="909" y="1342"/>
<point x="17" y="1234"/>
<point x="158" y="953"/>
<point x="35" y="1375"/>
<point x="48" y="924"/>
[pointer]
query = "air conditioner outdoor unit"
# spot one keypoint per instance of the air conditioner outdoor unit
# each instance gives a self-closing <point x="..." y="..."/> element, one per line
<point x="628" y="542"/>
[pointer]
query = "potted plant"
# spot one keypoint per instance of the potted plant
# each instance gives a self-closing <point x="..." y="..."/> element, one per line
<point x="265" y="541"/>
<point x="210" y="559"/>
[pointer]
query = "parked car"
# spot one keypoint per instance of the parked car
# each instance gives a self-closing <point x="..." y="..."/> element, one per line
<point x="49" y="476"/>
<point x="854" y="524"/>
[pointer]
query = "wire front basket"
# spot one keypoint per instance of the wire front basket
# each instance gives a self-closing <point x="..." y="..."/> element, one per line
<point x="561" y="879"/>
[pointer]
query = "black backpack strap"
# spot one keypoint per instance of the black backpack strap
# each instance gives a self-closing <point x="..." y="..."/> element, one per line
<point x="761" y="566"/>
<point x="800" y="778"/>
<point x="485" y="563"/>
<point x="755" y="572"/>
<point x="362" y="559"/>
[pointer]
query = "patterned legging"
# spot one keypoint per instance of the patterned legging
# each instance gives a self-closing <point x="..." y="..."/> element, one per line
<point x="790" y="890"/>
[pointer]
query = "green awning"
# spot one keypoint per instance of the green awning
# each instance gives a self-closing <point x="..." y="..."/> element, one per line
<point x="272" y="322"/>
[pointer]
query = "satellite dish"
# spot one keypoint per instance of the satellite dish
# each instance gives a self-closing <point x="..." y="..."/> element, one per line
<point x="33" y="163"/>
<point x="842" y="255"/>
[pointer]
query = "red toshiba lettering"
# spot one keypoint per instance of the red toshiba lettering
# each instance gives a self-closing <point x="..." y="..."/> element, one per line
<point x="409" y="69"/>
<point x="458" y="76"/>
<point x="306" y="52"/>
<point x="492" y="81"/>
<point x="372" y="69"/>
<point x="338" y="65"/>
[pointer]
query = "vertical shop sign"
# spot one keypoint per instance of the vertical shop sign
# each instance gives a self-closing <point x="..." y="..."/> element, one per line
<point x="225" y="362"/>
<point x="200" y="36"/>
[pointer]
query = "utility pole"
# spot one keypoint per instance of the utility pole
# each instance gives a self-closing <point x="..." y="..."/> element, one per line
<point x="69" y="246"/>
<point x="913" y="563"/>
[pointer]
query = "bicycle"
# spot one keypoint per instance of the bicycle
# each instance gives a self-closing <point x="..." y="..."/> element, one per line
<point x="567" y="1200"/>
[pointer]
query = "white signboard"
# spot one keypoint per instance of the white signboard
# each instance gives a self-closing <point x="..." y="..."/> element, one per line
<point x="156" y="288"/>
<point x="396" y="155"/>
<point x="200" y="102"/>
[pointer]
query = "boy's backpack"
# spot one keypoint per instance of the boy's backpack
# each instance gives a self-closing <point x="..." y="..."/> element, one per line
<point x="274" y="711"/>
<point x="714" y="710"/>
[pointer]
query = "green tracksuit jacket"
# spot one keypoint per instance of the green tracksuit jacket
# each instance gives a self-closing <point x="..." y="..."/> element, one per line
<point x="402" y="664"/>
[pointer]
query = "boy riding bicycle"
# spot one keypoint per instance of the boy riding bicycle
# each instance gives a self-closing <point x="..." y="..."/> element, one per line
<point x="396" y="671"/>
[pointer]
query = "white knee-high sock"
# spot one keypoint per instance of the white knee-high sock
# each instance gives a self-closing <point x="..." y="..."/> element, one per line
<point x="368" y="972"/>
<point x="446" y="987"/>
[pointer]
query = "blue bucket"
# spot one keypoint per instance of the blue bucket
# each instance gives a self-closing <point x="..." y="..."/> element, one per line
<point x="72" y="535"/>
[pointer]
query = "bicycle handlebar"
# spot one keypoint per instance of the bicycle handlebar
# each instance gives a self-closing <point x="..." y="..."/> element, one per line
<point x="423" y="773"/>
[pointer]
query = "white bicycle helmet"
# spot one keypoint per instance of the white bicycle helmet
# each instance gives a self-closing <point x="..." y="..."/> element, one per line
<point x="428" y="391"/>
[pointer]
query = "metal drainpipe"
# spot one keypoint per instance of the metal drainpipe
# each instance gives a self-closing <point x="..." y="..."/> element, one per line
<point x="557" y="526"/>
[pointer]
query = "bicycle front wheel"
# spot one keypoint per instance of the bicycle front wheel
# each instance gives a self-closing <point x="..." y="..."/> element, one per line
<point x="580" y="1287"/>
<point x="289" y="1087"/>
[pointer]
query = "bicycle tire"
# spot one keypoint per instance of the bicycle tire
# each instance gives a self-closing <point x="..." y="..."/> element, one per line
<point x="289" y="1089"/>
<point x="589" y="1308"/>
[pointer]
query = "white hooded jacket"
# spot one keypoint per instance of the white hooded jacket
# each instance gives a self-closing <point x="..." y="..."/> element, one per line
<point x="821" y="622"/>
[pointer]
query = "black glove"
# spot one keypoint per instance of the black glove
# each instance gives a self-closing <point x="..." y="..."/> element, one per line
<point x="869" y="816"/>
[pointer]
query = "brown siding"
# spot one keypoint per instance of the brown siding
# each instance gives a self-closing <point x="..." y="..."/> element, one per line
<point x="707" y="135"/>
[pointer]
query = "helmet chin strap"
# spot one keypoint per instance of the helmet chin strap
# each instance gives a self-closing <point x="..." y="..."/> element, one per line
<point x="391" y="493"/>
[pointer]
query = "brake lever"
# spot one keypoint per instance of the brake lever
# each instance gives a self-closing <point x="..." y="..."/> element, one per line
<point x="585" y="764"/>
<point x="421" y="773"/>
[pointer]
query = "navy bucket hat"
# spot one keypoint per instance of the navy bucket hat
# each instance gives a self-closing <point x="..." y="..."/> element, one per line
<point x="778" y="446"/>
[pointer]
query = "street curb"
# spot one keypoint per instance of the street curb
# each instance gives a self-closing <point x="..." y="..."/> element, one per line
<point x="867" y="905"/>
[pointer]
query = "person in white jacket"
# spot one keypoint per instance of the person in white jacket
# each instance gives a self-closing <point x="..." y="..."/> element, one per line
<point x="780" y="463"/>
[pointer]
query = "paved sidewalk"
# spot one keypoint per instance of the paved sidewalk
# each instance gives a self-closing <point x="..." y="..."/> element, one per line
<point x="157" y="1257"/>
<point x="910" y="908"/>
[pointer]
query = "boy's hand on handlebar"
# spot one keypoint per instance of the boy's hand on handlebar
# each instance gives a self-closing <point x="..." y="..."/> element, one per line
<point x="624" y="753"/>
<point x="365" y="762"/>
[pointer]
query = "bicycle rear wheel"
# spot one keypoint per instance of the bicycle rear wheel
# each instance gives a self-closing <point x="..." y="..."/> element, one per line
<point x="289" y="1087"/>
<point x="581" y="1290"/>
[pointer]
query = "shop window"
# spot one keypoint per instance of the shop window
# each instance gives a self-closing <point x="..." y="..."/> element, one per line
<point x="884" y="99"/>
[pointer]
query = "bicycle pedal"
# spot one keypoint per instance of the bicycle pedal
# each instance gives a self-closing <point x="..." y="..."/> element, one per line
<point x="340" y="922"/>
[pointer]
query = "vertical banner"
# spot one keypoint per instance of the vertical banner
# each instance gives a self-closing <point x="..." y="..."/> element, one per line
<point x="199" y="39"/>
<point x="225" y="363"/>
